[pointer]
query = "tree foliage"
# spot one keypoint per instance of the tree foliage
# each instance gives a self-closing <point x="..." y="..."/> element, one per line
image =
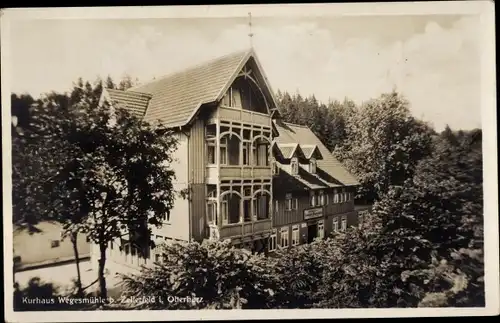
<point x="383" y="144"/>
<point x="100" y="172"/>
<point x="326" y="121"/>
<point x="222" y="276"/>
<point x="432" y="234"/>
<point x="420" y="246"/>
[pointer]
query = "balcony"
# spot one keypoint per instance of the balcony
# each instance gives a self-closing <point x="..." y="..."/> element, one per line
<point x="227" y="172"/>
<point x="244" y="116"/>
<point x="245" y="229"/>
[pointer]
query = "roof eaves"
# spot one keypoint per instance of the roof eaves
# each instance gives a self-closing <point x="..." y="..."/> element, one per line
<point x="195" y="111"/>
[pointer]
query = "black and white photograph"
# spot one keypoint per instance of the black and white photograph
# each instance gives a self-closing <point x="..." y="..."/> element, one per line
<point x="278" y="161"/>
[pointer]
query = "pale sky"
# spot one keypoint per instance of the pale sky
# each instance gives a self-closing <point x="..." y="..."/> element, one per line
<point x="433" y="60"/>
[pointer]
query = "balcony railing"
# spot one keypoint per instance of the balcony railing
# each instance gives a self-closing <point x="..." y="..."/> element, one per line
<point x="230" y="171"/>
<point x="246" y="228"/>
<point x="246" y="116"/>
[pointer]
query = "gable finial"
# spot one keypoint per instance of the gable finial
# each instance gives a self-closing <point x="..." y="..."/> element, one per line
<point x="250" y="34"/>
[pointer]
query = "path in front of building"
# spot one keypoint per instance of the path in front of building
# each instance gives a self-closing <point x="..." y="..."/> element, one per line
<point x="62" y="275"/>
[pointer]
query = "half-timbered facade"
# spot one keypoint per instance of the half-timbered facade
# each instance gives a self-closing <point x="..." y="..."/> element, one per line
<point x="250" y="177"/>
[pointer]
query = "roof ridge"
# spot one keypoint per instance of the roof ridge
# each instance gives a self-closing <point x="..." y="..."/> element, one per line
<point x="191" y="67"/>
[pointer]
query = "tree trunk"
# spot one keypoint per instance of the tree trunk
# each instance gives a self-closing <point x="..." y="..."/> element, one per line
<point x="79" y="291"/>
<point x="102" y="280"/>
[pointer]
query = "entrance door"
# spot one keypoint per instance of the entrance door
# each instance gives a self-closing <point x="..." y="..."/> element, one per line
<point x="312" y="232"/>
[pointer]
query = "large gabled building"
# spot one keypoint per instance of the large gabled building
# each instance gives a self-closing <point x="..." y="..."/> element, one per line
<point x="251" y="178"/>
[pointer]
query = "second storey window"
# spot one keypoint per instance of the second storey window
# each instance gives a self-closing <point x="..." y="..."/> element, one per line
<point x="294" y="164"/>
<point x="246" y="153"/>
<point x="321" y="198"/>
<point x="223" y="151"/>
<point x="211" y="152"/>
<point x="313" y="199"/>
<point x="288" y="202"/>
<point x="260" y="152"/>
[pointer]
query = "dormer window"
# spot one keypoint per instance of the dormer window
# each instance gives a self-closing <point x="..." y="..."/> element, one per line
<point x="275" y="168"/>
<point x="294" y="163"/>
<point x="312" y="166"/>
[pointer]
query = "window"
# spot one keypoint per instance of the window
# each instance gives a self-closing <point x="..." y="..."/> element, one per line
<point x="211" y="152"/>
<point x="295" y="235"/>
<point x="246" y="153"/>
<point x="254" y="208"/>
<point x="321" y="198"/>
<point x="312" y="166"/>
<point x="295" y="204"/>
<point x="261" y="154"/>
<point x="246" y="210"/>
<point x="321" y="229"/>
<point x="288" y="202"/>
<point x="228" y="99"/>
<point x="295" y="166"/>
<point x="211" y="212"/>
<point x="272" y="242"/>
<point x="223" y="151"/>
<point x="335" y="196"/>
<point x="313" y="199"/>
<point x="344" y="224"/>
<point x="54" y="243"/>
<point x="284" y="237"/>
<point x="326" y="199"/>
<point x="224" y="211"/>
<point x="276" y="203"/>
<point x="274" y="167"/>
<point x="335" y="225"/>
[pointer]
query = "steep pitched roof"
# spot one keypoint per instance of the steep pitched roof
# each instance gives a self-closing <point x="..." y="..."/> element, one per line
<point x="135" y="102"/>
<point x="177" y="97"/>
<point x="329" y="168"/>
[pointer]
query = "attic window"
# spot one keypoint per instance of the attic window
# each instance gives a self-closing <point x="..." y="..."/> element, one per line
<point x="275" y="168"/>
<point x="294" y="163"/>
<point x="312" y="166"/>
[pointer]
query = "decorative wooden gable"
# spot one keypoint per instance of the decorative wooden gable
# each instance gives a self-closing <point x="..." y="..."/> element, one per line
<point x="250" y="91"/>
